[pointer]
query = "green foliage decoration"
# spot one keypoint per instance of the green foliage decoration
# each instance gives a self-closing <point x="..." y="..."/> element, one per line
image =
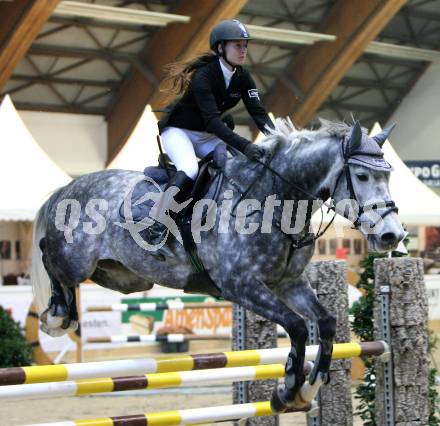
<point x="15" y="351"/>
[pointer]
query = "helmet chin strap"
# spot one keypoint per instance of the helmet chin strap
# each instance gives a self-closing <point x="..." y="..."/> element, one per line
<point x="223" y="54"/>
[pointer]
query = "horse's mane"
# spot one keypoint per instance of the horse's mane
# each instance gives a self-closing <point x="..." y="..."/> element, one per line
<point x="286" y="132"/>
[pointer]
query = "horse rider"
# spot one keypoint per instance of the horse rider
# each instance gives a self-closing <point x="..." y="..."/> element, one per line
<point x="205" y="87"/>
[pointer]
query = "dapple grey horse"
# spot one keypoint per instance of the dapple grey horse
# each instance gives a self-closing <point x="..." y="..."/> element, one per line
<point x="262" y="270"/>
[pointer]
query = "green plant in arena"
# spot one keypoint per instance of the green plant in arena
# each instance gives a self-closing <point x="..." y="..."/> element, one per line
<point x="15" y="351"/>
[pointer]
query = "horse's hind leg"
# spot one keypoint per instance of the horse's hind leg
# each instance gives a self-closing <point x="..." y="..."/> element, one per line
<point x="256" y="297"/>
<point x="61" y="315"/>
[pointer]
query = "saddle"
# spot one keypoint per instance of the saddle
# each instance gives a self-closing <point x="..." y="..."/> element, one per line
<point x="207" y="185"/>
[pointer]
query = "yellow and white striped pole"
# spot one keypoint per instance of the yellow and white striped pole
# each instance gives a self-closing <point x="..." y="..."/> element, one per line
<point x="147" y="381"/>
<point x="181" y="417"/>
<point x="57" y="373"/>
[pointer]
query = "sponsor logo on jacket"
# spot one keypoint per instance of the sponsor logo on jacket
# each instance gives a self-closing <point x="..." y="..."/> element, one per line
<point x="253" y="93"/>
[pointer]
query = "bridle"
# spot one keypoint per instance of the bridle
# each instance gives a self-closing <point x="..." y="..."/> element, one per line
<point x="389" y="205"/>
<point x="308" y="239"/>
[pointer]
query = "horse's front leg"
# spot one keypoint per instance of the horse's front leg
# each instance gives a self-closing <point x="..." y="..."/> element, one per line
<point x="300" y="296"/>
<point x="255" y="296"/>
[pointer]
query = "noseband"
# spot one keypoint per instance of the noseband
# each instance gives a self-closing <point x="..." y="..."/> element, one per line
<point x="389" y="205"/>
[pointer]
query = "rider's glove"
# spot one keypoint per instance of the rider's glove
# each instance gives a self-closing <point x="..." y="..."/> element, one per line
<point x="253" y="152"/>
<point x="229" y="121"/>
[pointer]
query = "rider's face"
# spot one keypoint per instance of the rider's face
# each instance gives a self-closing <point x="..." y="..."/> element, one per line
<point x="236" y="51"/>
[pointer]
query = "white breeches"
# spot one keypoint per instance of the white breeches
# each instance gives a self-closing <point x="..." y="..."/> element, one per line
<point x="185" y="146"/>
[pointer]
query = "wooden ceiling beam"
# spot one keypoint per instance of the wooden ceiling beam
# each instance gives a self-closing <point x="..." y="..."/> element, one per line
<point x="20" y="23"/>
<point x="174" y="42"/>
<point x="318" y="68"/>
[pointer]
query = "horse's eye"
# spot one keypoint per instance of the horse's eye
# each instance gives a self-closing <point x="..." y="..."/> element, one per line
<point x="362" y="177"/>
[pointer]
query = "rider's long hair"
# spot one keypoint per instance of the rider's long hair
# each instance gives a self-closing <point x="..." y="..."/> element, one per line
<point x="179" y="73"/>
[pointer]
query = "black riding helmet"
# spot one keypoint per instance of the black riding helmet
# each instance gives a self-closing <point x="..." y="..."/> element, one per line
<point x="231" y="29"/>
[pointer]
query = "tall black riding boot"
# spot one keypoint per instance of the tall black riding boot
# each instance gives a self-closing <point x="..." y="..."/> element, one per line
<point x="155" y="232"/>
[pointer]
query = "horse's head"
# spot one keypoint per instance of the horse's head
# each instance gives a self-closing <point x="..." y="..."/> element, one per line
<point x="361" y="191"/>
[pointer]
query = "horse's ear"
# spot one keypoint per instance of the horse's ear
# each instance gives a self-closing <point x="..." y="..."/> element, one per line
<point x="383" y="135"/>
<point x="355" y="139"/>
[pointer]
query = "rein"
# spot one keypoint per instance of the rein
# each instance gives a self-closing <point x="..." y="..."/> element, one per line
<point x="306" y="239"/>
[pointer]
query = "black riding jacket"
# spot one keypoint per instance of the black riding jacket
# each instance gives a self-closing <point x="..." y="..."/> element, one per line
<point x="206" y="98"/>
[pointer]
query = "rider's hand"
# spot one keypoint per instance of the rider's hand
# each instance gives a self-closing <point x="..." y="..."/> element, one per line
<point x="253" y="152"/>
<point x="229" y="121"/>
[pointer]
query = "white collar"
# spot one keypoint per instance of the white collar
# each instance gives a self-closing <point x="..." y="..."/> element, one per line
<point x="227" y="73"/>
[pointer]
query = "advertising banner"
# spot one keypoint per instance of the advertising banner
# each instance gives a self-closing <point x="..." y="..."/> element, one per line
<point x="427" y="171"/>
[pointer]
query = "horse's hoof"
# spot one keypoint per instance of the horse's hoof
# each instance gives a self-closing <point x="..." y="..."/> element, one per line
<point x="51" y="321"/>
<point x="53" y="332"/>
<point x="299" y="402"/>
<point x="277" y="402"/>
<point x="56" y="326"/>
<point x="58" y="331"/>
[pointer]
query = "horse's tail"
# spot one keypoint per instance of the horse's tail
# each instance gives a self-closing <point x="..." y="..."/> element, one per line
<point x="41" y="286"/>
